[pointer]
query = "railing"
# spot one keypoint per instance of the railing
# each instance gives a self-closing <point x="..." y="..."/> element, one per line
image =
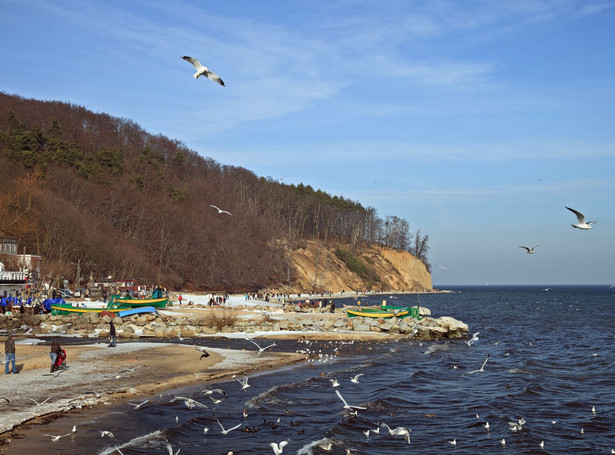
<point x="13" y="276"/>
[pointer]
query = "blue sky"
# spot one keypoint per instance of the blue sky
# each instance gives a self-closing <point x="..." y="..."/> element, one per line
<point x="476" y="121"/>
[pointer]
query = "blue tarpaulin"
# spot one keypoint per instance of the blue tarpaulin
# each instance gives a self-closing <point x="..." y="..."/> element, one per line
<point x="48" y="302"/>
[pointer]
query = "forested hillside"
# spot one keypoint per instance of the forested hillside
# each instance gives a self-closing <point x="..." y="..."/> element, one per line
<point x="87" y="188"/>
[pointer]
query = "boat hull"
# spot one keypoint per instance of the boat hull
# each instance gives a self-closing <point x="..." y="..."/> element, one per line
<point x="66" y="308"/>
<point x="140" y="310"/>
<point x="415" y="312"/>
<point x="136" y="303"/>
<point x="377" y="313"/>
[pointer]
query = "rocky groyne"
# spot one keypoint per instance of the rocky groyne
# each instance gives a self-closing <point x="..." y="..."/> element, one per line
<point x="224" y="321"/>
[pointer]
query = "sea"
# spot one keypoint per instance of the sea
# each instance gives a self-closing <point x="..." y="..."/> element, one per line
<point x="539" y="379"/>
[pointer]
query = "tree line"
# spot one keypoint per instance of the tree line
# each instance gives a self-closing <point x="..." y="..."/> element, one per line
<point x="95" y="190"/>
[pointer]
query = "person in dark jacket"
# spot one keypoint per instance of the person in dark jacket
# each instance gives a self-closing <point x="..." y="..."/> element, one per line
<point x="9" y="352"/>
<point x="111" y="335"/>
<point x="53" y="354"/>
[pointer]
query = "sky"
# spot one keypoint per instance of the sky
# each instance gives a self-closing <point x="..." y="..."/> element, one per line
<point x="476" y="121"/>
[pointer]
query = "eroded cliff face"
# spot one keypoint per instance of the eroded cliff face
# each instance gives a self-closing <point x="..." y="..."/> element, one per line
<point x="317" y="268"/>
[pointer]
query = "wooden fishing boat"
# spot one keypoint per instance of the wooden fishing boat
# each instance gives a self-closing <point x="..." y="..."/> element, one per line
<point x="415" y="311"/>
<point x="125" y="302"/>
<point x="372" y="312"/>
<point x="69" y="308"/>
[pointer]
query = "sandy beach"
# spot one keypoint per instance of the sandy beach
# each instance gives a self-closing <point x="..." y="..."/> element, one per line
<point x="99" y="375"/>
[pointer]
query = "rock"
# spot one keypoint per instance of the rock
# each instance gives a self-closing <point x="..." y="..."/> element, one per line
<point x="454" y="328"/>
<point x="360" y="327"/>
<point x="188" y="332"/>
<point x="283" y="324"/>
<point x="424" y="311"/>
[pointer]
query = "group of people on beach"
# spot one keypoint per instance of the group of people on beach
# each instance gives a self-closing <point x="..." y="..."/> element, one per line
<point x="56" y="354"/>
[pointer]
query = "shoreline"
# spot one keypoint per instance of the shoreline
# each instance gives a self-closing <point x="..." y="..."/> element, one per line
<point x="99" y="376"/>
<point x="137" y="367"/>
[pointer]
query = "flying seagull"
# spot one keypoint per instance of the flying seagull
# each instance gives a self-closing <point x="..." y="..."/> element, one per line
<point x="278" y="448"/>
<point x="581" y="218"/>
<point x="220" y="210"/>
<point x="261" y="349"/>
<point x="202" y="70"/>
<point x="209" y="392"/>
<point x="55" y="438"/>
<point x="399" y="431"/>
<point x="244" y="382"/>
<point x="346" y="405"/>
<point x="355" y="379"/>
<point x="189" y="402"/>
<point x="37" y="403"/>
<point x="472" y="340"/>
<point x="224" y="431"/>
<point x="482" y="368"/>
<point x="529" y="250"/>
<point x="138" y="405"/>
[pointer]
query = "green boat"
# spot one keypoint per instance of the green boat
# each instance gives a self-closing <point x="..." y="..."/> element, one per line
<point x="377" y="313"/>
<point x="415" y="312"/>
<point x="58" y="309"/>
<point x="116" y="301"/>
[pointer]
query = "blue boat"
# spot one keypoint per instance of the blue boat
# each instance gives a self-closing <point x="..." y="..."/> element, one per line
<point x="131" y="311"/>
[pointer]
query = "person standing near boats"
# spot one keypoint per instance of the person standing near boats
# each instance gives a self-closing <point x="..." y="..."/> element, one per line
<point x="111" y="335"/>
<point x="9" y="354"/>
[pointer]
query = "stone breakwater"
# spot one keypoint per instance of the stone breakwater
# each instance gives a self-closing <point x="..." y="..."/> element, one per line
<point x="224" y="321"/>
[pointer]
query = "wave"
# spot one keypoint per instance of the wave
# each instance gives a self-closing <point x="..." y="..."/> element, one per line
<point x="140" y="441"/>
<point x="437" y="347"/>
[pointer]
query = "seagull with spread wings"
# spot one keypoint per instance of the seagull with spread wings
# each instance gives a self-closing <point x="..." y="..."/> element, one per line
<point x="482" y="368"/>
<point x="189" y="402"/>
<point x="278" y="448"/>
<point x="220" y="210"/>
<point x="244" y="382"/>
<point x="529" y="250"/>
<point x="346" y="405"/>
<point x="203" y="70"/>
<point x="581" y="219"/>
<point x="261" y="349"/>
<point x="224" y="431"/>
<point x="138" y="405"/>
<point x="399" y="431"/>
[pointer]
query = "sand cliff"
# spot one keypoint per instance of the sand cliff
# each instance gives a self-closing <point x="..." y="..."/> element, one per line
<point x="316" y="267"/>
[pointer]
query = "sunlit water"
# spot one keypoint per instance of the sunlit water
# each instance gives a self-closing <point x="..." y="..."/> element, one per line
<point x="551" y="360"/>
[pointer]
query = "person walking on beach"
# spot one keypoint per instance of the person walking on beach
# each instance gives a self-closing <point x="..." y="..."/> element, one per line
<point x="111" y="335"/>
<point x="53" y="354"/>
<point x="9" y="352"/>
